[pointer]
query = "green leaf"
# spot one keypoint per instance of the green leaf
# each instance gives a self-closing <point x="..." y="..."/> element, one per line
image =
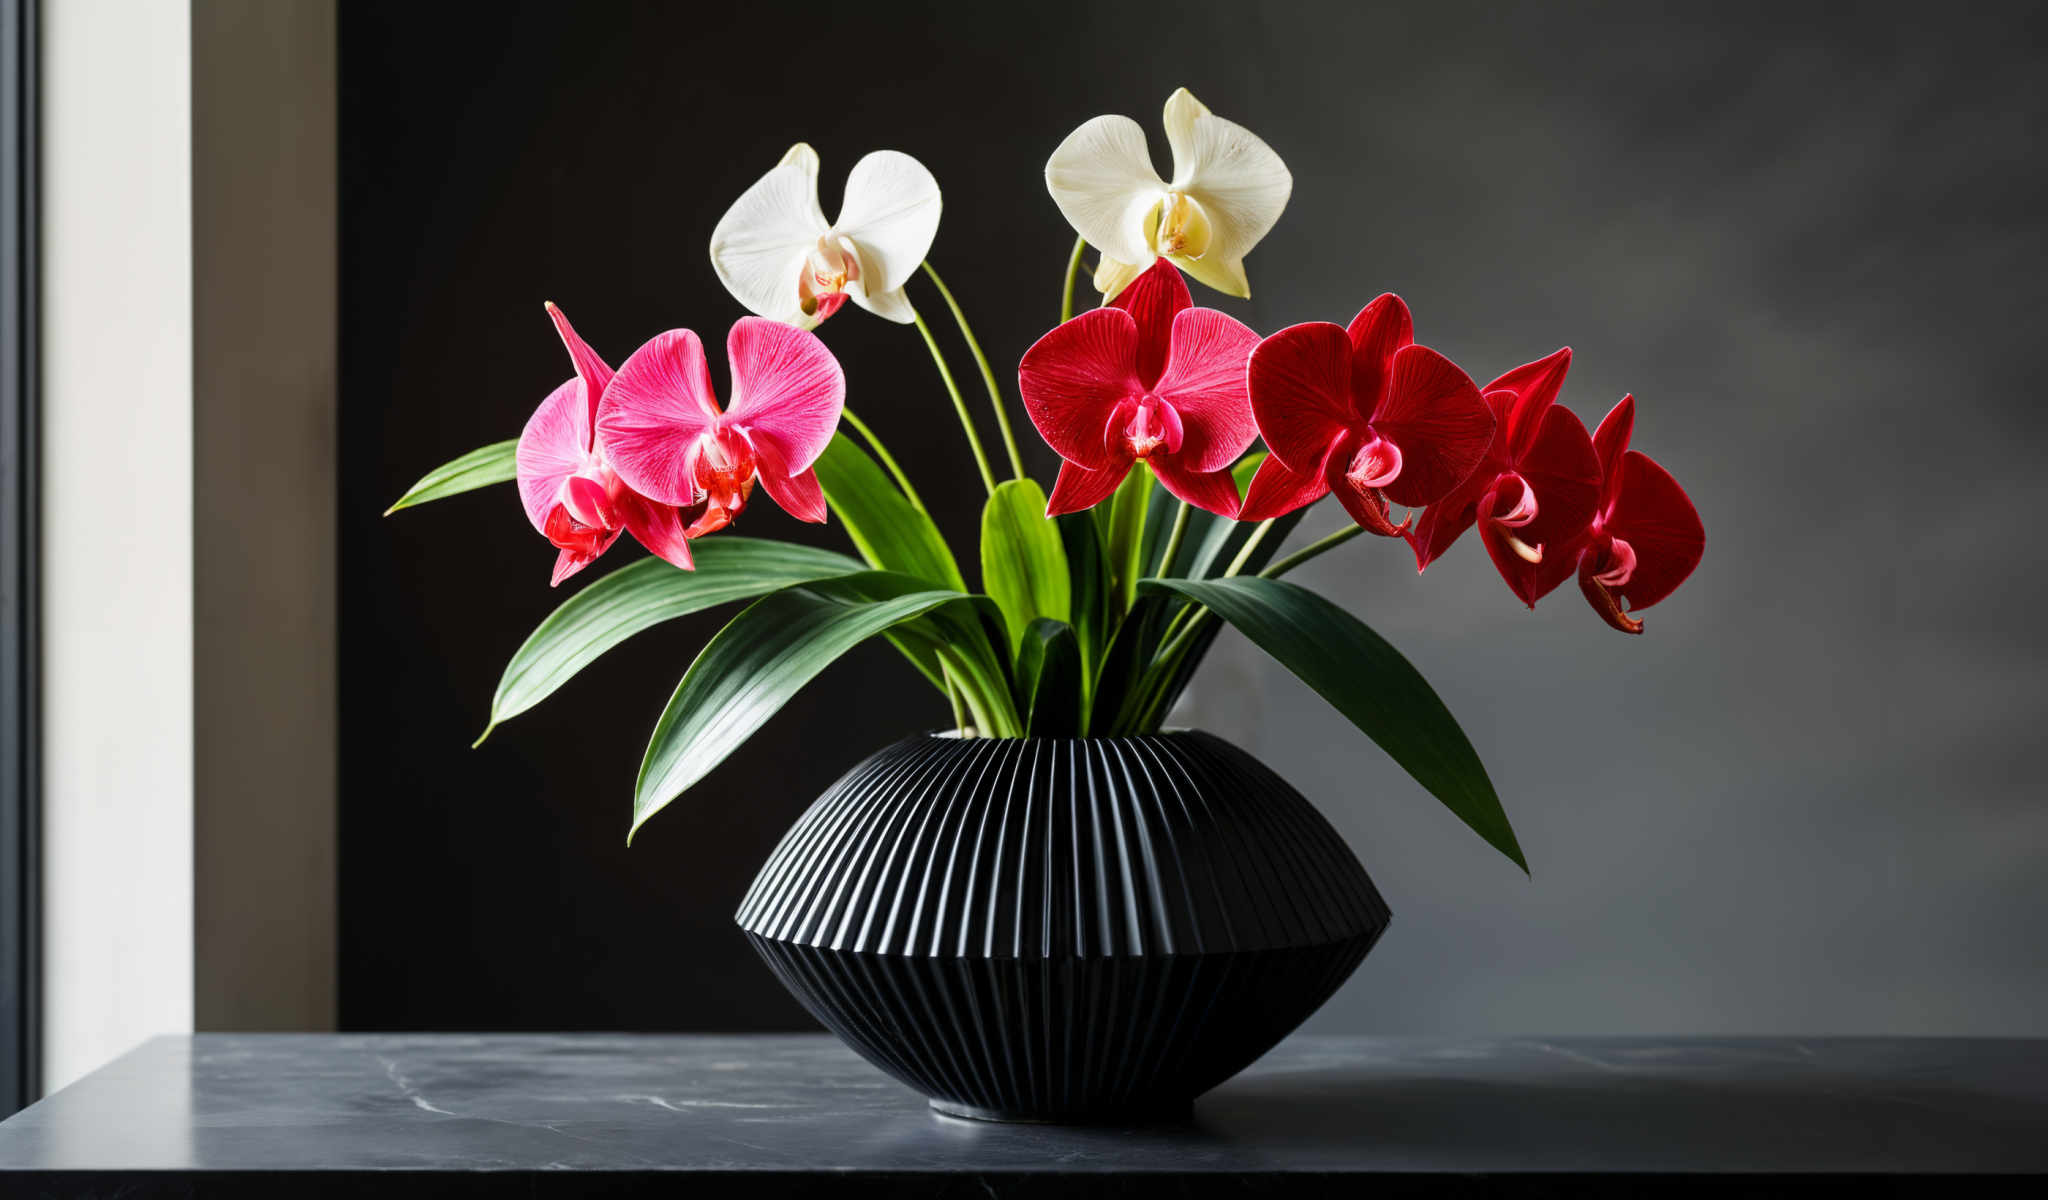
<point x="479" y="468"/>
<point x="1023" y="564"/>
<point x="889" y="531"/>
<point x="751" y="668"/>
<point x="1369" y="682"/>
<point x="1088" y="576"/>
<point x="1049" y="676"/>
<point x="1124" y="539"/>
<point x="643" y="595"/>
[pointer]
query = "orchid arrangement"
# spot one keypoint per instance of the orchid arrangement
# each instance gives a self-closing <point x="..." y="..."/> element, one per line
<point x="1096" y="604"/>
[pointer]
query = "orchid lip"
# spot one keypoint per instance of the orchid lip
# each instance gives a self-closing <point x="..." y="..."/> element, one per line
<point x="1377" y="464"/>
<point x="1623" y="566"/>
<point x="1524" y="509"/>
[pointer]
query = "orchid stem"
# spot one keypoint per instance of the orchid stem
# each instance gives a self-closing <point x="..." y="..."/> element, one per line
<point x="988" y="477"/>
<point x="988" y="377"/>
<point x="1165" y="664"/>
<point x="1067" y="289"/>
<point x="1173" y="541"/>
<point x="1322" y="545"/>
<point x="1251" y="545"/>
<point x="882" y="452"/>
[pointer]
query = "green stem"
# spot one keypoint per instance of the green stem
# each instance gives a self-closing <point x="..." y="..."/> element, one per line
<point x="882" y="452"/>
<point x="1165" y="664"/>
<point x="1067" y="288"/>
<point x="953" y="698"/>
<point x="1126" y="535"/>
<point x="1320" y="546"/>
<point x="988" y="377"/>
<point x="1173" y="540"/>
<point x="1251" y="545"/>
<point x="988" y="477"/>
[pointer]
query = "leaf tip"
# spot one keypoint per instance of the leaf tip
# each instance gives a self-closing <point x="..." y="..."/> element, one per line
<point x="486" y="733"/>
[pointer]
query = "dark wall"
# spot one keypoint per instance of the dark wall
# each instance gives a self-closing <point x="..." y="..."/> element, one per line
<point x="1808" y="239"/>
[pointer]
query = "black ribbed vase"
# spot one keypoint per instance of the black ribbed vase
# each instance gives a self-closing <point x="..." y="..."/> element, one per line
<point x="1062" y="929"/>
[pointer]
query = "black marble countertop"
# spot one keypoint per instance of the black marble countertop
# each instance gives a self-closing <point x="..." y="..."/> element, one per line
<point x="616" y="1115"/>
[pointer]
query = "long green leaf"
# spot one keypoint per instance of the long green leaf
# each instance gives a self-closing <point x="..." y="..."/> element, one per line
<point x="1049" y="679"/>
<point x="751" y="668"/>
<point x="889" y="531"/>
<point x="479" y="468"/>
<point x="644" y="595"/>
<point x="1023" y="564"/>
<point x="1369" y="682"/>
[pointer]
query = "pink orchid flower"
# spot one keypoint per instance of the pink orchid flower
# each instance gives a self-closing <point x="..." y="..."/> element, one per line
<point x="571" y="494"/>
<point x="1148" y="377"/>
<point x="1363" y="412"/>
<point x="664" y="433"/>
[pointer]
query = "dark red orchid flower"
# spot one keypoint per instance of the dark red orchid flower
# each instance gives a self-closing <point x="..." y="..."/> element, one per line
<point x="1538" y="485"/>
<point x="1362" y="412"/>
<point x="1148" y="377"/>
<point x="1645" y="538"/>
<point x="571" y="493"/>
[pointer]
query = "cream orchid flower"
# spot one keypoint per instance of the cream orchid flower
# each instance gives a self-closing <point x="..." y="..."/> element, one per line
<point x="776" y="253"/>
<point x="1228" y="189"/>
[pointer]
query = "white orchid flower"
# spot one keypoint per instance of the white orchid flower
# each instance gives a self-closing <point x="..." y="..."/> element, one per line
<point x="1228" y="189"/>
<point x="776" y="253"/>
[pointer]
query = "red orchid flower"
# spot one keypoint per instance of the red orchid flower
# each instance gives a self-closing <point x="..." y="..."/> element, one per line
<point x="1147" y="377"/>
<point x="1363" y="412"/>
<point x="1537" y="486"/>
<point x="571" y="494"/>
<point x="664" y="432"/>
<point x="1645" y="538"/>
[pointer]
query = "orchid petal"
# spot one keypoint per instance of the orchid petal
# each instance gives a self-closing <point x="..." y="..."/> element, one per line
<point x="568" y="562"/>
<point x="1610" y="443"/>
<point x="1240" y="183"/>
<point x="1368" y="507"/>
<point x="1277" y="490"/>
<point x="554" y="445"/>
<point x="1101" y="177"/>
<point x="1212" y="491"/>
<point x="1535" y="386"/>
<point x="1300" y="388"/>
<point x="1655" y="517"/>
<point x="1079" y="488"/>
<point x="1205" y="384"/>
<point x="890" y="306"/>
<point x="798" y="492"/>
<point x="1379" y="331"/>
<point x="787" y="389"/>
<point x="1564" y="472"/>
<point x="657" y="407"/>
<point x="589" y="367"/>
<point x="891" y="214"/>
<point x="1433" y="414"/>
<point x="659" y="527"/>
<point x="1442" y="523"/>
<point x="759" y="246"/>
<point x="1154" y="299"/>
<point x="1073" y="379"/>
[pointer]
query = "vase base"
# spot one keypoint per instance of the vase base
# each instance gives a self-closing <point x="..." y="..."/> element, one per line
<point x="1167" y="1114"/>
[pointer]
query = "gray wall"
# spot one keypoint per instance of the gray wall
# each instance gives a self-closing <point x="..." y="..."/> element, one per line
<point x="1811" y="796"/>
<point x="1808" y="239"/>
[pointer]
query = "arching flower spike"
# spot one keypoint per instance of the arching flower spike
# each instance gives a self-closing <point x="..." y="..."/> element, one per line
<point x="1537" y="487"/>
<point x="663" y="431"/>
<point x="1149" y="377"/>
<point x="778" y="256"/>
<point x="1228" y="189"/>
<point x="1364" y="412"/>
<point x="571" y="494"/>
